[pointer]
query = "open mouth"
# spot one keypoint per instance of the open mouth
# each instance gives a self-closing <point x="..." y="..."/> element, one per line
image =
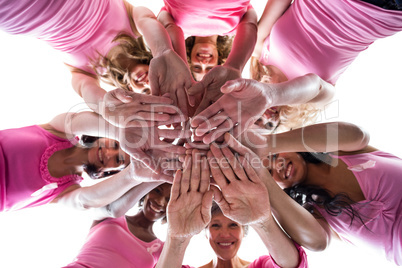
<point x="156" y="209"/>
<point x="289" y="169"/>
<point x="100" y="155"/>
<point x="142" y="78"/>
<point x="225" y="244"/>
<point x="204" y="55"/>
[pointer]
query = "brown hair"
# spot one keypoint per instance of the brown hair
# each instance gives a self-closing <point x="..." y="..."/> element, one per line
<point x="223" y="45"/>
<point x="113" y="68"/>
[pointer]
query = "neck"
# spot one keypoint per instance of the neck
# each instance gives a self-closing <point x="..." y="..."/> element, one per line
<point x="140" y="221"/>
<point x="206" y="39"/>
<point x="234" y="262"/>
<point x="68" y="161"/>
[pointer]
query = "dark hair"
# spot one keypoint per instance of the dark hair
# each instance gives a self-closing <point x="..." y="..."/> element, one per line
<point x="223" y="45"/>
<point x="92" y="171"/>
<point x="311" y="194"/>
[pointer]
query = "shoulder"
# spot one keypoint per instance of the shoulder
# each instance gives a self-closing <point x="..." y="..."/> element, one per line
<point x="53" y="131"/>
<point x="367" y="149"/>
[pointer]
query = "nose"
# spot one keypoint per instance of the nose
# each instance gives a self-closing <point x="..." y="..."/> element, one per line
<point x="111" y="154"/>
<point x="205" y="60"/>
<point x="224" y="232"/>
<point x="161" y="201"/>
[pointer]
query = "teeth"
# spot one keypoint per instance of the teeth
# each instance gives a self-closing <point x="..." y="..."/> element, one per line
<point x="156" y="209"/>
<point x="142" y="77"/>
<point x="100" y="155"/>
<point x="288" y="170"/>
<point x="204" y="55"/>
<point x="225" y="244"/>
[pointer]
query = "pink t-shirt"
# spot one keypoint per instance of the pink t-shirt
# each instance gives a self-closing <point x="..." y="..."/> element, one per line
<point x="379" y="175"/>
<point x="77" y="28"/>
<point x="267" y="262"/>
<point x="111" y="244"/>
<point x="25" y="180"/>
<point x="206" y="17"/>
<point x="324" y="37"/>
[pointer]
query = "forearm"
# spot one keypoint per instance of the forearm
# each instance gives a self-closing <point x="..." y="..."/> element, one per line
<point x="325" y="137"/>
<point x="280" y="247"/>
<point x="175" y="33"/>
<point x="172" y="254"/>
<point x="272" y="12"/>
<point x="154" y="33"/>
<point x="244" y="41"/>
<point x="84" y="123"/>
<point x="89" y="89"/>
<point x="119" y="207"/>
<point x="100" y="194"/>
<point x="309" y="88"/>
<point x="307" y="232"/>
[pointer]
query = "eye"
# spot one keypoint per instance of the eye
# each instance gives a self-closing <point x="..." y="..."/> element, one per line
<point x="116" y="145"/>
<point x="233" y="225"/>
<point x="215" y="225"/>
<point x="196" y="68"/>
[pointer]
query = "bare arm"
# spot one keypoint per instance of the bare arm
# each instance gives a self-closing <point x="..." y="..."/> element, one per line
<point x="175" y="33"/>
<point x="244" y="41"/>
<point x="272" y="12"/>
<point x="99" y="194"/>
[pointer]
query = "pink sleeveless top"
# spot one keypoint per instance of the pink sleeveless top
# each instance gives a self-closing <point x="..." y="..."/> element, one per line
<point x="206" y="17"/>
<point x="379" y="175"/>
<point x="324" y="37"/>
<point x="77" y="28"/>
<point x="111" y="244"/>
<point x="267" y="262"/>
<point x="25" y="180"/>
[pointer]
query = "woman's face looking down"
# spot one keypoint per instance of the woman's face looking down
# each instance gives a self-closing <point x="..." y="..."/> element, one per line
<point x="204" y="56"/>
<point x="225" y="236"/>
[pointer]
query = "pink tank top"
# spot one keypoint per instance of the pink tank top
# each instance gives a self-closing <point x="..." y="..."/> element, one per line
<point x="324" y="37"/>
<point x="77" y="28"/>
<point x="379" y="175"/>
<point x="206" y="17"/>
<point x="25" y="180"/>
<point x="111" y="244"/>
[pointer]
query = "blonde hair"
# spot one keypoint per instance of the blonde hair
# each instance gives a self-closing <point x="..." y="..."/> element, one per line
<point x="113" y="68"/>
<point x="290" y="116"/>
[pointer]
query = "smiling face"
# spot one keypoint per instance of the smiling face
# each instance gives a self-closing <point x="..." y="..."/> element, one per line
<point x="225" y="236"/>
<point x="287" y="169"/>
<point x="105" y="155"/>
<point x="155" y="202"/>
<point x="204" y="56"/>
<point x="139" y="77"/>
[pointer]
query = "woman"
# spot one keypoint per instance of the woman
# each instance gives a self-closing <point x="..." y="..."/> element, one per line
<point x="191" y="200"/>
<point x="84" y="32"/>
<point x="127" y="241"/>
<point x="346" y="29"/>
<point x="207" y="22"/>
<point x="354" y="188"/>
<point x="44" y="163"/>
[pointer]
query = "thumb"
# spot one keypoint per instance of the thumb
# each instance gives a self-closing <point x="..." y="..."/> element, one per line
<point x="232" y="85"/>
<point x="195" y="89"/>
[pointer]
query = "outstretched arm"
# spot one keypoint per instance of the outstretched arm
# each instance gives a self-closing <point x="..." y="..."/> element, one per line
<point x="272" y="12"/>
<point x="245" y="100"/>
<point x="188" y="211"/>
<point x="324" y="137"/>
<point x="244" y="199"/>
<point x="308" y="232"/>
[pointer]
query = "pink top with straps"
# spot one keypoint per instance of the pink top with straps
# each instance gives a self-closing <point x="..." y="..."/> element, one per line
<point x="379" y="175"/>
<point x="324" y="37"/>
<point x="25" y="180"/>
<point x="77" y="28"/>
<point x="206" y="17"/>
<point x="111" y="244"/>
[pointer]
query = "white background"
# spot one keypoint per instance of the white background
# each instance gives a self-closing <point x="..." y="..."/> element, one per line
<point x="35" y="86"/>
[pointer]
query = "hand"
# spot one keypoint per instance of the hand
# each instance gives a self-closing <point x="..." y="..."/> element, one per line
<point x="189" y="208"/>
<point x="129" y="109"/>
<point x="243" y="197"/>
<point x="243" y="102"/>
<point x="168" y="73"/>
<point x="211" y="84"/>
<point x="144" y="143"/>
<point x="168" y="163"/>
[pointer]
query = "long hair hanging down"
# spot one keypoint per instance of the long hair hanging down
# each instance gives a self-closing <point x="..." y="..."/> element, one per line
<point x="312" y="194"/>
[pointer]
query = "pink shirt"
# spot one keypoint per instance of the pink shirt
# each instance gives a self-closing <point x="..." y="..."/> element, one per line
<point x="77" y="28"/>
<point x="267" y="262"/>
<point x="206" y="17"/>
<point x="324" y="37"/>
<point x="25" y="180"/>
<point x="379" y="175"/>
<point x="111" y="244"/>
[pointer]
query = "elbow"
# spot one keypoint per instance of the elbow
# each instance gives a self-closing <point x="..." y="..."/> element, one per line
<point x="356" y="136"/>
